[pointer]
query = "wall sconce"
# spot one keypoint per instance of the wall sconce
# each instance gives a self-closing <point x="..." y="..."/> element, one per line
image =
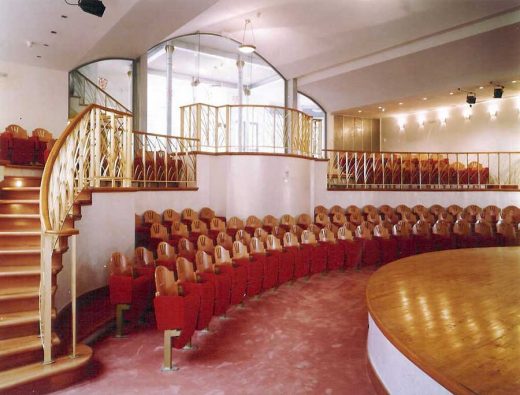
<point x="421" y="118"/>
<point x="467" y="112"/>
<point x="401" y="121"/>
<point x="443" y="115"/>
<point x="286" y="176"/>
<point x="493" y="111"/>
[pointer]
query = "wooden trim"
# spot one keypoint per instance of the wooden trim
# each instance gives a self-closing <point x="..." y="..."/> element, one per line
<point x="247" y="106"/>
<point x="423" y="190"/>
<point x="259" y="154"/>
<point x="137" y="189"/>
<point x="164" y="136"/>
<point x="24" y="167"/>
<point x="379" y="387"/>
<point x="422" y="152"/>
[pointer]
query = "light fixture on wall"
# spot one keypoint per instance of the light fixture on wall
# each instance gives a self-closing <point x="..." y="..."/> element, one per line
<point x="401" y="121"/>
<point x="442" y="114"/>
<point x="195" y="81"/>
<point x="493" y="111"/>
<point x="245" y="47"/>
<point x="467" y="112"/>
<point x="471" y="98"/>
<point x="421" y="118"/>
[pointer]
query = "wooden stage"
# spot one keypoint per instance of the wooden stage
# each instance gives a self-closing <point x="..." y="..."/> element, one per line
<point x="456" y="315"/>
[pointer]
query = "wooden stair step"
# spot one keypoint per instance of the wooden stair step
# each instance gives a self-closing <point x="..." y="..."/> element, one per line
<point x="20" y="323"/>
<point x="14" y="188"/>
<point x="19" y="206"/>
<point x="21" y="298"/>
<point x="20" y="238"/>
<point x="9" y="192"/>
<point x="21" y="181"/>
<point x="19" y="318"/>
<point x="33" y="377"/>
<point x="11" y="271"/>
<point x="19" y="201"/>
<point x="18" y="251"/>
<point x="19" y="293"/>
<point x="18" y="345"/>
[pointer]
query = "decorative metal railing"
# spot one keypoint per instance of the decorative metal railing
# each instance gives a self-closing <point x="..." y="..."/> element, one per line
<point x="252" y="128"/>
<point x="420" y="170"/>
<point x="164" y="161"/>
<point x="89" y="92"/>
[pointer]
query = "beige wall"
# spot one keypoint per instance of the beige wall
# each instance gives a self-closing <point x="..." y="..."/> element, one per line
<point x="356" y="134"/>
<point x="479" y="133"/>
<point x="33" y="97"/>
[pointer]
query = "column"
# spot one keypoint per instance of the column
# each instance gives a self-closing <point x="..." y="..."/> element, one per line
<point x="240" y="86"/>
<point x="169" y="82"/>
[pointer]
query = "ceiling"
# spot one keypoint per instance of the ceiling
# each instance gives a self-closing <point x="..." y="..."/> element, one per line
<point x="346" y="54"/>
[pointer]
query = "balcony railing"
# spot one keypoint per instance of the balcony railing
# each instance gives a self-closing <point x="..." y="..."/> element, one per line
<point x="421" y="170"/>
<point x="252" y="128"/>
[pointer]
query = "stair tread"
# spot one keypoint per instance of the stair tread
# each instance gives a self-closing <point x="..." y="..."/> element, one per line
<point x="20" y="188"/>
<point x="37" y="371"/>
<point x="20" y="233"/>
<point x="22" y="317"/>
<point x="6" y="271"/>
<point x="18" y="250"/>
<point x="19" y="201"/>
<point x="20" y="216"/>
<point x="18" y="345"/>
<point x="19" y="293"/>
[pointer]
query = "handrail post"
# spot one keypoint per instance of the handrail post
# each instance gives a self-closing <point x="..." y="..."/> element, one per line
<point x="46" y="296"/>
<point x="97" y="148"/>
<point x="73" y="294"/>
<point x="129" y="152"/>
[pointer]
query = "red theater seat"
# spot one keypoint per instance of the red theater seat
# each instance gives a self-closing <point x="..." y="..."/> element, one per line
<point x="318" y="252"/>
<point x="255" y="268"/>
<point x="352" y="248"/>
<point x="220" y="279"/>
<point x="166" y="256"/>
<point x="441" y="235"/>
<point x="370" y="247"/>
<point x="402" y="231"/>
<point x="463" y="234"/>
<point x="237" y="272"/>
<point x="422" y="235"/>
<point x="388" y="248"/>
<point x="301" y="256"/>
<point x="285" y="260"/>
<point x="484" y="234"/>
<point x="270" y="263"/>
<point x="335" y="251"/>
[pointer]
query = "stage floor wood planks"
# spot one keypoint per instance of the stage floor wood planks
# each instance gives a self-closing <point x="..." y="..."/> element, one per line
<point x="456" y="315"/>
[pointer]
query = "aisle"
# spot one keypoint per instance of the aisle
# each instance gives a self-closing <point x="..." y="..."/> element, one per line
<point x="304" y="338"/>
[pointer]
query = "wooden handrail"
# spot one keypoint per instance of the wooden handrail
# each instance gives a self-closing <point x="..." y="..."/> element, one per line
<point x="247" y="105"/>
<point x="44" y="190"/>
<point x="422" y="152"/>
<point x="164" y="135"/>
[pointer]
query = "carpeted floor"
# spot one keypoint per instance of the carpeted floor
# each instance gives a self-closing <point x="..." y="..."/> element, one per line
<point x="304" y="338"/>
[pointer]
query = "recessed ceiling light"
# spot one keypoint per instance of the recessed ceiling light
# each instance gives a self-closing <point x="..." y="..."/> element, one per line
<point x="380" y="107"/>
<point x="400" y="103"/>
<point x="480" y="87"/>
<point x="45" y="45"/>
<point x="514" y="81"/>
<point x="425" y="98"/>
<point x="54" y="32"/>
<point x="451" y="93"/>
<point x="383" y="109"/>
<point x="64" y="16"/>
<point x="359" y="111"/>
<point x="39" y="56"/>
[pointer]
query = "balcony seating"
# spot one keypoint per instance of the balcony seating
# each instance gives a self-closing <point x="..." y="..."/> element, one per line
<point x="441" y="235"/>
<point x="484" y="233"/>
<point x="216" y="226"/>
<point x="186" y="249"/>
<point x="387" y="244"/>
<point x="204" y="243"/>
<point x="237" y="272"/>
<point x="189" y="215"/>
<point x="252" y="223"/>
<point x="321" y="220"/>
<point x="225" y="240"/>
<point x="463" y="235"/>
<point x="269" y="223"/>
<point x="352" y="248"/>
<point x="270" y="263"/>
<point x="178" y="231"/>
<point x="22" y="149"/>
<point x="221" y="279"/>
<point x="403" y="233"/>
<point x="335" y="251"/>
<point x="126" y="291"/>
<point x="301" y="256"/>
<point x="192" y="283"/>
<point x="318" y="252"/>
<point x="40" y="139"/>
<point x="303" y="221"/>
<point x="422" y="234"/>
<point x="166" y="256"/>
<point x="170" y="216"/>
<point x="158" y="233"/>
<point x="285" y="259"/>
<point x="255" y="268"/>
<point x="175" y="310"/>
<point x="234" y="224"/>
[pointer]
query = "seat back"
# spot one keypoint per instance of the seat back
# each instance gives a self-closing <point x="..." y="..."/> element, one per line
<point x="506" y="229"/>
<point x="290" y="240"/>
<point x="287" y="219"/>
<point x="492" y="212"/>
<point x="462" y="227"/>
<point x="314" y="229"/>
<point x="199" y="226"/>
<point x="441" y="228"/>
<point x="216" y="224"/>
<point x="483" y="228"/>
<point x="367" y="209"/>
<point x="336" y="209"/>
<point x="165" y="283"/>
<point x="240" y="250"/>
<point x="171" y="216"/>
<point x="222" y="256"/>
<point x="185" y="245"/>
<point x="204" y="243"/>
<point x="352" y="210"/>
<point x="270" y="220"/>
<point x="206" y="214"/>
<point x="253" y="222"/>
<point x="422" y="228"/>
<point x="402" y="228"/>
<point x="150" y="217"/>
<point x="356" y="218"/>
<point x="225" y="240"/>
<point x="278" y="231"/>
<point x="381" y="231"/>
<point x="344" y="233"/>
<point x="308" y="237"/>
<point x="256" y="246"/>
<point x="185" y="270"/>
<point x="304" y="219"/>
<point x="454" y="210"/>
<point x="204" y="262"/>
<point x="409" y="217"/>
<point x="385" y="209"/>
<point x="119" y="265"/>
<point x="401" y="209"/>
<point x="436" y="210"/>
<point x="189" y="214"/>
<point x="296" y="230"/>
<point x="418" y="209"/>
<point x="144" y="257"/>
<point x="165" y="251"/>
<point x="339" y="219"/>
<point x="322" y="219"/>
<point x="327" y="235"/>
<point x="235" y="223"/>
<point x="364" y="230"/>
<point x="373" y="217"/>
<point x="473" y="210"/>
<point x="320" y="210"/>
<point x="159" y="231"/>
<point x="17" y="131"/>
<point x="273" y="243"/>
<point x="42" y="134"/>
<point x="180" y="229"/>
<point x="261" y="234"/>
<point x="243" y="236"/>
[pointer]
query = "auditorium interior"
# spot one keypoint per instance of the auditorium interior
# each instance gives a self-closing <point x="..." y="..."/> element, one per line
<point x="260" y="197"/>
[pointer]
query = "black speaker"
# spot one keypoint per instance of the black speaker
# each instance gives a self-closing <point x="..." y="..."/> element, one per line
<point x="94" y="7"/>
<point x="471" y="98"/>
<point x="498" y="91"/>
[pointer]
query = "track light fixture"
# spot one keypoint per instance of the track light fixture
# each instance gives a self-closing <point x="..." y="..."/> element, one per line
<point x="471" y="98"/>
<point x="94" y="7"/>
<point x="498" y="92"/>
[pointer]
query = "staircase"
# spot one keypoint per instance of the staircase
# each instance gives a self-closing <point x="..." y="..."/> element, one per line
<point x="21" y="351"/>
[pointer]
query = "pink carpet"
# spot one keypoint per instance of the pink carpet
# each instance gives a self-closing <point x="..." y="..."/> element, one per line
<point x="304" y="338"/>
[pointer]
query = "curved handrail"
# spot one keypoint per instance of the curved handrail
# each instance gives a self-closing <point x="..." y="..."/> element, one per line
<point x="249" y="106"/>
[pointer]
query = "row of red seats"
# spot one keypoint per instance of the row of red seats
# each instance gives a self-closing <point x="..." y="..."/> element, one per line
<point x="17" y="148"/>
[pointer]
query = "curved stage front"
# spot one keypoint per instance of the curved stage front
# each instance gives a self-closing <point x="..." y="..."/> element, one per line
<point x="447" y="322"/>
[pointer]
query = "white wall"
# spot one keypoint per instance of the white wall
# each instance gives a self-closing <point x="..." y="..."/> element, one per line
<point x="240" y="185"/>
<point x="33" y="97"/>
<point x="479" y="133"/>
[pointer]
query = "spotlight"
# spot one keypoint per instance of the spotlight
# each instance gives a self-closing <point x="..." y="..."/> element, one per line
<point x="94" y="7"/>
<point x="471" y="98"/>
<point x="498" y="91"/>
